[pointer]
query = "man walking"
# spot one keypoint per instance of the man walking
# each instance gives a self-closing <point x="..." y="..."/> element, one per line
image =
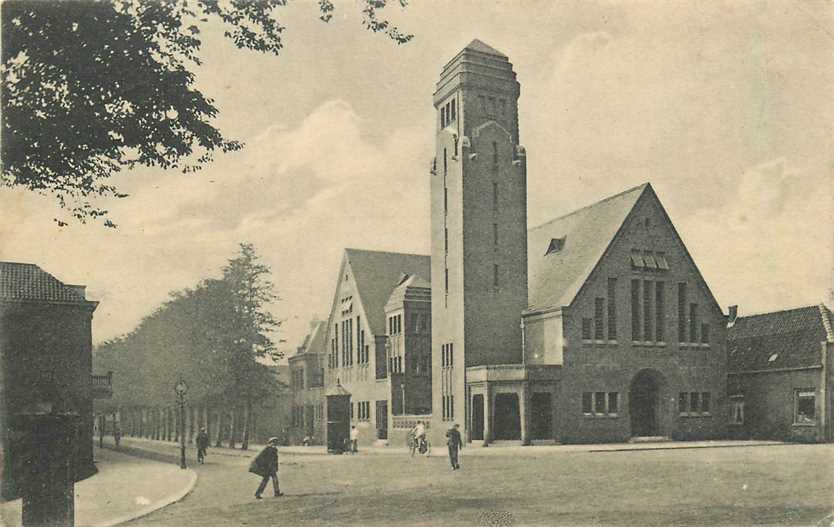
<point x="202" y="441"/>
<point x="455" y="444"/>
<point x="354" y="439"/>
<point x="265" y="465"/>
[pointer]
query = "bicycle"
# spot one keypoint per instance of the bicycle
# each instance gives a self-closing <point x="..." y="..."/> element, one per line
<point x="423" y="447"/>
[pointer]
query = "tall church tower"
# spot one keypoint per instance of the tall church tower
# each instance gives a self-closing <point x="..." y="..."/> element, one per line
<point x="479" y="226"/>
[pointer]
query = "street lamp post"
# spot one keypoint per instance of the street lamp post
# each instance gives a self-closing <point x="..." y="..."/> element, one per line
<point x="181" y="389"/>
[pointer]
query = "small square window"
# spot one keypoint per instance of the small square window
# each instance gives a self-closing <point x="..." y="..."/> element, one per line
<point x="613" y="402"/>
<point x="805" y="405"/>
<point x="599" y="402"/>
<point x="586" y="402"/>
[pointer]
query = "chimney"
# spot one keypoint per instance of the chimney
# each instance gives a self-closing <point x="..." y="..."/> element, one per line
<point x="732" y="315"/>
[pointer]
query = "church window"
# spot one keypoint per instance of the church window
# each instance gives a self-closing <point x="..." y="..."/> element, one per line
<point x="495" y="195"/>
<point x="693" y="322"/>
<point x="660" y="310"/>
<point x="599" y="307"/>
<point x="635" y="310"/>
<point x="586" y="328"/>
<point x="682" y="312"/>
<point x="612" y="309"/>
<point x="648" y="293"/>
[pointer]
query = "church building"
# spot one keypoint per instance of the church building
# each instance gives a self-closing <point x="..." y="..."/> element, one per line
<point x="596" y="326"/>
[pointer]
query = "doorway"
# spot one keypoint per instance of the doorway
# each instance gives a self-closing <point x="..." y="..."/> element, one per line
<point x="507" y="417"/>
<point x="644" y="404"/>
<point x="477" y="417"/>
<point x="541" y="415"/>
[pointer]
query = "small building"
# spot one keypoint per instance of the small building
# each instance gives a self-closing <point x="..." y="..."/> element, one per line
<point x="780" y="375"/>
<point x="46" y="355"/>
<point x="307" y="387"/>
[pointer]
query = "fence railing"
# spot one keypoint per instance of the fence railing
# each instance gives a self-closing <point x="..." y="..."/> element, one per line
<point x="410" y="421"/>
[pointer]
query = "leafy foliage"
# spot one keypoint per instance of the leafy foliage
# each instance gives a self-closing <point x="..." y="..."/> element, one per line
<point x="94" y="87"/>
<point x="216" y="336"/>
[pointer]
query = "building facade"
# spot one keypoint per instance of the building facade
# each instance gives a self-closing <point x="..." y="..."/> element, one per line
<point x="46" y="356"/>
<point x="357" y="335"/>
<point x="306" y="380"/>
<point x="596" y="326"/>
<point x="780" y="375"/>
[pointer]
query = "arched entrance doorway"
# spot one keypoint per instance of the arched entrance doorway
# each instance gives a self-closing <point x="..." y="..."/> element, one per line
<point x="644" y="403"/>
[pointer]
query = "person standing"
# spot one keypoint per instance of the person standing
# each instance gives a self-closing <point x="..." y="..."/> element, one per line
<point x="354" y="439"/>
<point x="455" y="444"/>
<point x="265" y="465"/>
<point x="202" y="441"/>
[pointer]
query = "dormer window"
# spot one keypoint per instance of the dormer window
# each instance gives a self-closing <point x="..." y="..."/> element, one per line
<point x="637" y="260"/>
<point x="556" y="245"/>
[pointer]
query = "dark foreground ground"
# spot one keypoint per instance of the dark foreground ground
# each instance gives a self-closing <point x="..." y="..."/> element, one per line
<point x="765" y="485"/>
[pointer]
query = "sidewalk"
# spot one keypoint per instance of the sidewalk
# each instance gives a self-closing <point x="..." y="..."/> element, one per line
<point x="125" y="488"/>
<point x="169" y="452"/>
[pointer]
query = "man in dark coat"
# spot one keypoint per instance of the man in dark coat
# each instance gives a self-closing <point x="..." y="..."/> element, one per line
<point x="202" y="441"/>
<point x="455" y="444"/>
<point x="265" y="465"/>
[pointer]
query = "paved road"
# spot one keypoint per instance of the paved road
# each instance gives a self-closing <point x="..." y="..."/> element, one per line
<point x="767" y="485"/>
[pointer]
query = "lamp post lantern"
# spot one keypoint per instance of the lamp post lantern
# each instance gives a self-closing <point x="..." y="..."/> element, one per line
<point x="181" y="389"/>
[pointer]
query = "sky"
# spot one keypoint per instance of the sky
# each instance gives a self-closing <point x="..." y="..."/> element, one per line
<point x="725" y="108"/>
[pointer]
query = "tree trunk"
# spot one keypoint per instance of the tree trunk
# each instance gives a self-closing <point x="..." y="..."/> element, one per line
<point x="218" y="424"/>
<point x="232" y="423"/>
<point x="247" y="413"/>
<point x="206" y="418"/>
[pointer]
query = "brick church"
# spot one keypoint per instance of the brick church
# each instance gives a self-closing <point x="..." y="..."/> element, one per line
<point x="594" y="327"/>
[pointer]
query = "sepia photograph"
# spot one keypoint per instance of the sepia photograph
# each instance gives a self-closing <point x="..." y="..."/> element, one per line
<point x="459" y="263"/>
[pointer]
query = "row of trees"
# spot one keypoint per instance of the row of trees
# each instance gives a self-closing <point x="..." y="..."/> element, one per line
<point x="215" y="336"/>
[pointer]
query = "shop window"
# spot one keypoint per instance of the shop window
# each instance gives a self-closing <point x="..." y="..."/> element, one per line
<point x="805" y="407"/>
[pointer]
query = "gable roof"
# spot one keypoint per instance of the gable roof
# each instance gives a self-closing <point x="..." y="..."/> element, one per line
<point x="23" y="281"/>
<point x="314" y="340"/>
<point x="477" y="45"/>
<point x="410" y="287"/>
<point x="377" y="273"/>
<point x="555" y="278"/>
<point x="782" y="339"/>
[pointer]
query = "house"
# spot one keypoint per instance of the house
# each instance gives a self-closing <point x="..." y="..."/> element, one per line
<point x="780" y="374"/>
<point x="46" y="358"/>
<point x="306" y="371"/>
<point x="358" y="331"/>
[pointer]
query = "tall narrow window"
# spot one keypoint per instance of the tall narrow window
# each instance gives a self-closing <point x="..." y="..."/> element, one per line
<point x="682" y="312"/>
<point x="495" y="276"/>
<point x="599" y="323"/>
<point x="494" y="153"/>
<point x="495" y="196"/>
<point x="445" y="200"/>
<point x="453" y="110"/>
<point x="704" y="333"/>
<point x="587" y="404"/>
<point x="336" y="355"/>
<point x="693" y="322"/>
<point x="446" y="279"/>
<point x="635" y="310"/>
<point x="446" y="239"/>
<point x="495" y="234"/>
<point x="587" y="323"/>
<point x="442" y="117"/>
<point x="648" y="295"/>
<point x="660" y="310"/>
<point x="445" y="162"/>
<point x="612" y="309"/>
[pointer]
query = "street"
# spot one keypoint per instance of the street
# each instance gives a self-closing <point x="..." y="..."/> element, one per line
<point x="768" y="485"/>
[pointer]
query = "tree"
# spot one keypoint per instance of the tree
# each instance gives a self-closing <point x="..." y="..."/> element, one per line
<point x="248" y="329"/>
<point x="93" y="87"/>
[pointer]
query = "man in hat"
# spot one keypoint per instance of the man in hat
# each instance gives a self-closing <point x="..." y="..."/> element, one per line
<point x="455" y="444"/>
<point x="202" y="441"/>
<point x="265" y="465"/>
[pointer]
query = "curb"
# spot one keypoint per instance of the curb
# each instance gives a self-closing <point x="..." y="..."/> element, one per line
<point x="161" y="504"/>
